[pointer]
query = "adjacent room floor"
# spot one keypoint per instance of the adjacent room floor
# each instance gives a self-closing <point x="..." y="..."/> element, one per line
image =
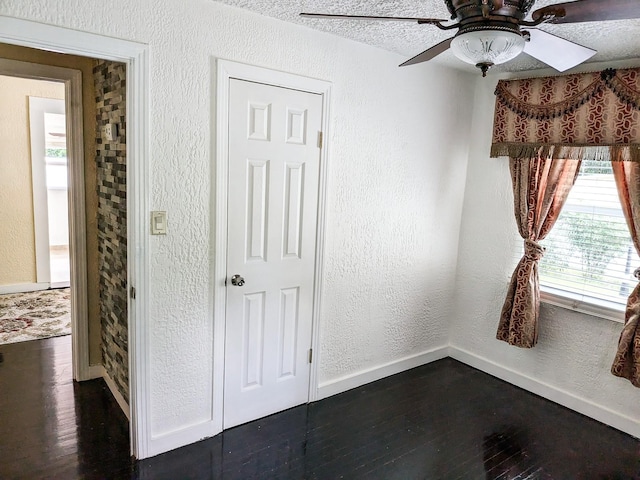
<point x="440" y="421"/>
<point x="35" y="315"/>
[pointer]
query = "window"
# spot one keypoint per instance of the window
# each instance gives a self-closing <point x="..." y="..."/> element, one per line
<point x="55" y="151"/>
<point x="590" y="258"/>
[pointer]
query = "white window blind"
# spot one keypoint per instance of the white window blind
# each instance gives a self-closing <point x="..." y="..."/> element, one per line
<point x="589" y="253"/>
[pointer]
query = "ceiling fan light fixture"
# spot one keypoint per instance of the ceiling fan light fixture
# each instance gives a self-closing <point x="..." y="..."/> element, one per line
<point x="485" y="47"/>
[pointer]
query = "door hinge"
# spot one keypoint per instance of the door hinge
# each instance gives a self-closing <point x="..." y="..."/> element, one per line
<point x="310" y="355"/>
<point x="319" y="139"/>
<point x="132" y="293"/>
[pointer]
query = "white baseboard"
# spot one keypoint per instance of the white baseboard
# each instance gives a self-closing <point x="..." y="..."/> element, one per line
<point x="179" y="438"/>
<point x="97" y="371"/>
<point x="581" y="405"/>
<point x="169" y="441"/>
<point x="23" y="288"/>
<point x="369" y="375"/>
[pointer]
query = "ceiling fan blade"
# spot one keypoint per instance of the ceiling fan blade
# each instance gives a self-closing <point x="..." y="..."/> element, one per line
<point x="556" y="52"/>
<point x="368" y="17"/>
<point x="429" y="53"/>
<point x="591" y="11"/>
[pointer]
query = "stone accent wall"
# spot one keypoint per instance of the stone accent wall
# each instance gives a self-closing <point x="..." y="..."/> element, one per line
<point x="110" y="94"/>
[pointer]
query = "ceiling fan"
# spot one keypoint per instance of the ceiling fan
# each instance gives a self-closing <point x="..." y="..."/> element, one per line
<point x="490" y="33"/>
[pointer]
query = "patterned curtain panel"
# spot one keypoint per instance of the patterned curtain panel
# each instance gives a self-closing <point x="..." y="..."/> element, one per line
<point x="627" y="361"/>
<point x="540" y="187"/>
<point x="599" y="110"/>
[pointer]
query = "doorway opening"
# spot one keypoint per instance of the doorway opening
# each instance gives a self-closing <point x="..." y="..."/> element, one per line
<point x="35" y="244"/>
<point x="45" y="39"/>
<point x="56" y="176"/>
<point x="76" y="224"/>
<point x="49" y="175"/>
<point x="75" y="197"/>
<point x="31" y="240"/>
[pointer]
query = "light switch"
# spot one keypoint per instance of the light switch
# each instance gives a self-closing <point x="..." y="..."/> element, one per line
<point x="158" y="223"/>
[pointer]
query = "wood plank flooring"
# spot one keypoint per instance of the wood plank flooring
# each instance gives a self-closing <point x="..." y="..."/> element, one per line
<point x="51" y="427"/>
<point x="440" y="421"/>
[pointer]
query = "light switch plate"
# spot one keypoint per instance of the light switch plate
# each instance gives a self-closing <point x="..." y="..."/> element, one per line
<point x="110" y="132"/>
<point x="158" y="223"/>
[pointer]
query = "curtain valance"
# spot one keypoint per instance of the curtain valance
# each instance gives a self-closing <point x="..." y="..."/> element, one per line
<point x="585" y="115"/>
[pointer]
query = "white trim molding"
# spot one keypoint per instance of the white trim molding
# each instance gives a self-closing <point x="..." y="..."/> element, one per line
<point x="26" y="33"/>
<point x="122" y="403"/>
<point x="369" y="375"/>
<point x="72" y="80"/>
<point x="581" y="405"/>
<point x="38" y="107"/>
<point x="138" y="248"/>
<point x="179" y="438"/>
<point x="226" y="70"/>
<point x="22" y="288"/>
<point x="578" y="303"/>
<point x="52" y="38"/>
<point x="98" y="371"/>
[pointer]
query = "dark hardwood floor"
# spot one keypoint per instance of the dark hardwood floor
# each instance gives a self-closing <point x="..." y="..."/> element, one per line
<point x="51" y="427"/>
<point x="440" y="421"/>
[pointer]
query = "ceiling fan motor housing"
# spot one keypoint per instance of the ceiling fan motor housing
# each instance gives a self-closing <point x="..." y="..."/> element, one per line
<point x="472" y="11"/>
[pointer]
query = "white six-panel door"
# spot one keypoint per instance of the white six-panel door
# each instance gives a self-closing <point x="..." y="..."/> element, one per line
<point x="274" y="156"/>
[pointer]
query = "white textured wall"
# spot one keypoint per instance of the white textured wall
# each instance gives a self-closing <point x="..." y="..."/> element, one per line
<point x="575" y="351"/>
<point x="395" y="186"/>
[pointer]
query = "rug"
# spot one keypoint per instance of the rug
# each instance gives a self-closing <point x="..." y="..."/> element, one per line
<point x="35" y="315"/>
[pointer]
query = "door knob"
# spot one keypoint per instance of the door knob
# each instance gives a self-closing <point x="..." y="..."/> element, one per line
<point x="237" y="280"/>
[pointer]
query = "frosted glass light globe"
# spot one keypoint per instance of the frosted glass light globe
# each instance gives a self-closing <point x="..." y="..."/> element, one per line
<point x="487" y="47"/>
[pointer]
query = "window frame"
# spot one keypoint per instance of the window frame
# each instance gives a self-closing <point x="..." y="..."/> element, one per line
<point x="582" y="302"/>
<point x="579" y="303"/>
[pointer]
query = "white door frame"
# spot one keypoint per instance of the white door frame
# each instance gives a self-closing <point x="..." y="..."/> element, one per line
<point x="72" y="80"/>
<point x="136" y="56"/>
<point x="228" y="70"/>
<point x="38" y="106"/>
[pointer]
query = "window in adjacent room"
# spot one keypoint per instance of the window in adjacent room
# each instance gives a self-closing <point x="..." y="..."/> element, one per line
<point x="590" y="258"/>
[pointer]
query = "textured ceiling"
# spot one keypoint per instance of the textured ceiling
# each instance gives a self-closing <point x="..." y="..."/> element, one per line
<point x="614" y="40"/>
